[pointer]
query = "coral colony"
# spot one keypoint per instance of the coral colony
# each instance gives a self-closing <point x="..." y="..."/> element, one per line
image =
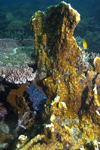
<point x="38" y="98"/>
<point x="70" y="118"/>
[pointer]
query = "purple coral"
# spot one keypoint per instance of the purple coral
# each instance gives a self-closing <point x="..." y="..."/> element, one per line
<point x="38" y="98"/>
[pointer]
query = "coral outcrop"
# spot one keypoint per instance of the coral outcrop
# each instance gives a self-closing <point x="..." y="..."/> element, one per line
<point x="57" y="51"/>
<point x="53" y="33"/>
<point x="76" y="100"/>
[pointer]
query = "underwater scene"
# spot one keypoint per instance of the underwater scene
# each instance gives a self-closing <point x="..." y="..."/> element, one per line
<point x="49" y="75"/>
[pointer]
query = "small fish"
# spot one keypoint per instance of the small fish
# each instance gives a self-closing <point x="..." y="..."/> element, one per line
<point x="84" y="44"/>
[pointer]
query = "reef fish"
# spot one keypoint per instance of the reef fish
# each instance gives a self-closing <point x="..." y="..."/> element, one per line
<point x="84" y="44"/>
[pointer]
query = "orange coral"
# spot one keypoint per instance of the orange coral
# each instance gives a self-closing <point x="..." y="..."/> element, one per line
<point x="16" y="99"/>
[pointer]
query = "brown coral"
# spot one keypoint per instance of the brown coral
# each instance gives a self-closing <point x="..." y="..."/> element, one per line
<point x="57" y="53"/>
<point x="54" y="42"/>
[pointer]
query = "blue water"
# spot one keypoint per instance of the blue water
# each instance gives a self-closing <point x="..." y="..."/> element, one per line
<point x="14" y="13"/>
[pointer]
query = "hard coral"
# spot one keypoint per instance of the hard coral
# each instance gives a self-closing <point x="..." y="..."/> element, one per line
<point x="57" y="53"/>
<point x="18" y="75"/>
<point x="38" y="98"/>
<point x="55" y="47"/>
<point x="54" y="42"/>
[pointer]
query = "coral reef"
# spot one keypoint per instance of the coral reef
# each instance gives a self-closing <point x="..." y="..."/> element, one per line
<point x="57" y="51"/>
<point x="74" y="87"/>
<point x="38" y="98"/>
<point x="55" y="45"/>
<point x="12" y="51"/>
<point x="62" y="107"/>
<point x="15" y="25"/>
<point x="18" y="75"/>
